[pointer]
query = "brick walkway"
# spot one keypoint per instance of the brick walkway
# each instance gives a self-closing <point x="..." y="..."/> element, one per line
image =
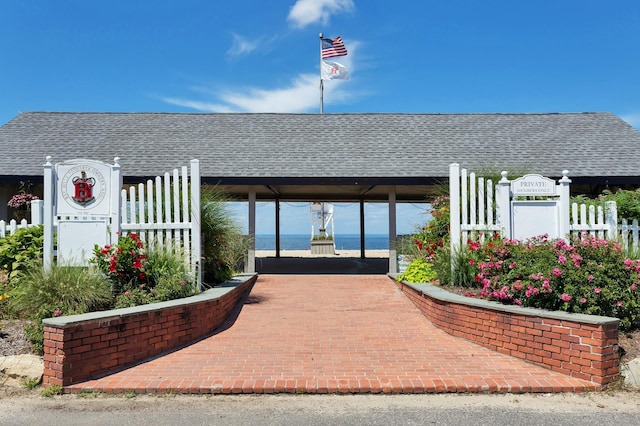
<point x="332" y="334"/>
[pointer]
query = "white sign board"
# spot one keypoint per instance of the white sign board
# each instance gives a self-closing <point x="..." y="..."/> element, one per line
<point x="76" y="240"/>
<point x="83" y="188"/>
<point x="86" y="205"/>
<point x="533" y="218"/>
<point x="533" y="185"/>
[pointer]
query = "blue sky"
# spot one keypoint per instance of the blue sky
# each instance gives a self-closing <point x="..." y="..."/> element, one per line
<point x="263" y="56"/>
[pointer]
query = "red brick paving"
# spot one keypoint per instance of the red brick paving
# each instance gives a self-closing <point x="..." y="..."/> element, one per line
<point x="332" y="334"/>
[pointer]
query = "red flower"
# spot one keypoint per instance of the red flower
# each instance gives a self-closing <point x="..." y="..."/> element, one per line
<point x="137" y="264"/>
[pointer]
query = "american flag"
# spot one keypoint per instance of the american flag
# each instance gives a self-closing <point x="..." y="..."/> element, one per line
<point x="333" y="47"/>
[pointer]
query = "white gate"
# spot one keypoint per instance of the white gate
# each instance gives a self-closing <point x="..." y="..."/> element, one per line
<point x="85" y="203"/>
<point x="526" y="207"/>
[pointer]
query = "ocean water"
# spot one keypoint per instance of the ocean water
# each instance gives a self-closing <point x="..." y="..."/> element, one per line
<point x="302" y="242"/>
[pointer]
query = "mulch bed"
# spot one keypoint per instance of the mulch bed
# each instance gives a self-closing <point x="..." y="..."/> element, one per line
<point x="13" y="339"/>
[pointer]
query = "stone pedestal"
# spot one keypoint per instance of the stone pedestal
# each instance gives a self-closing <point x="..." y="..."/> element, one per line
<point x="322" y="247"/>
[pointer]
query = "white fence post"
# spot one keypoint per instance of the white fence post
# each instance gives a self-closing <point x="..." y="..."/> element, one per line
<point x="611" y="215"/>
<point x="49" y="194"/>
<point x="37" y="212"/>
<point x="196" y="235"/>
<point x="503" y="205"/>
<point x="565" y="195"/>
<point x="454" y="210"/>
<point x="115" y="210"/>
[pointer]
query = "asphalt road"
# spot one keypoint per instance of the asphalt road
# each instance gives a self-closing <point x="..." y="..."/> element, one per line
<point x="602" y="409"/>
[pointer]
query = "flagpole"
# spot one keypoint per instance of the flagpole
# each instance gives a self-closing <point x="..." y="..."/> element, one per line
<point x="321" y="82"/>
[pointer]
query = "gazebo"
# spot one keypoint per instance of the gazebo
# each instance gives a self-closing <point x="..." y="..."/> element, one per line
<point x="389" y="158"/>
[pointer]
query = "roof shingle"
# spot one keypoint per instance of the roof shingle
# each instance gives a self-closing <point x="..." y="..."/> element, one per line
<point x="330" y="145"/>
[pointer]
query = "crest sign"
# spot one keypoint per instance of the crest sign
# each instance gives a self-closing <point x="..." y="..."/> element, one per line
<point x="82" y="188"/>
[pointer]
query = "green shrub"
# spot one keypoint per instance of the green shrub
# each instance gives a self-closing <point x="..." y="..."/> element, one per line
<point x="418" y="271"/>
<point x="627" y="202"/>
<point x="141" y="275"/>
<point x="62" y="290"/>
<point x="224" y="246"/>
<point x="167" y="279"/>
<point x="169" y="275"/>
<point x="20" y="249"/>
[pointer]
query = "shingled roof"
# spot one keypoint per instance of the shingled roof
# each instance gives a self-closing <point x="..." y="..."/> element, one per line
<point x="331" y="149"/>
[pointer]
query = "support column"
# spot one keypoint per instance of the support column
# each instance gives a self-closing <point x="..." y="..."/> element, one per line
<point x="250" y="267"/>
<point x="362" y="254"/>
<point x="277" y="228"/>
<point x="5" y="196"/>
<point x="393" y="253"/>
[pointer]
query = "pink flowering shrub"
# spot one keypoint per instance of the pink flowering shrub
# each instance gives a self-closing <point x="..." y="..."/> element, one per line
<point x="22" y="201"/>
<point x="435" y="235"/>
<point x="587" y="275"/>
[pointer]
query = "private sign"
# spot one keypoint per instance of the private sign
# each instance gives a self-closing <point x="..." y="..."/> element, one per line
<point x="533" y="185"/>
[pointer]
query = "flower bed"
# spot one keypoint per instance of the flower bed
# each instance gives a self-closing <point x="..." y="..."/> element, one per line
<point x="80" y="347"/>
<point x="578" y="345"/>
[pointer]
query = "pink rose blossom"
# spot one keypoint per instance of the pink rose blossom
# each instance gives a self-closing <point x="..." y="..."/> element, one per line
<point x="565" y="297"/>
<point x="597" y="290"/>
<point x="583" y="300"/>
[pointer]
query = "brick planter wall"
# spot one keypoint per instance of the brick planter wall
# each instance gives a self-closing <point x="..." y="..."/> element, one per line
<point x="581" y="346"/>
<point x="80" y="347"/>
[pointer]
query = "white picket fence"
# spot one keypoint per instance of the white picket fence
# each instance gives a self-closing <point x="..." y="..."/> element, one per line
<point x="477" y="207"/>
<point x="598" y="221"/>
<point x="165" y="212"/>
<point x="8" y="228"/>
<point x="629" y="234"/>
<point x="479" y="211"/>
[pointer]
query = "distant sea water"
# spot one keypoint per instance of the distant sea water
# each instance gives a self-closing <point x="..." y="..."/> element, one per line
<point x="303" y="242"/>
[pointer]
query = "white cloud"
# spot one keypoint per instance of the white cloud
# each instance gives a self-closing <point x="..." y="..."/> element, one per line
<point x="633" y="119"/>
<point x="301" y="95"/>
<point x="306" y="12"/>
<point x="242" y="45"/>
